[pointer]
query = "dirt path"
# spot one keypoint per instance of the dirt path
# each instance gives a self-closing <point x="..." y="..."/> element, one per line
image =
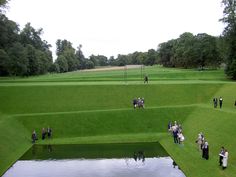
<point x="112" y="68"/>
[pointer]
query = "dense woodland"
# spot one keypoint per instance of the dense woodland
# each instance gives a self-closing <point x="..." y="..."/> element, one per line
<point x="25" y="53"/>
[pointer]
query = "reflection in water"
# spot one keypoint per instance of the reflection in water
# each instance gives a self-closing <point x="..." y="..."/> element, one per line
<point x="153" y="167"/>
<point x="139" y="156"/>
<point x="174" y="164"/>
<point x="103" y="160"/>
<point x="33" y="150"/>
<point x="49" y="148"/>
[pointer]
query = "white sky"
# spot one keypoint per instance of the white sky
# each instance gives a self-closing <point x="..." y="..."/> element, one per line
<point x="111" y="27"/>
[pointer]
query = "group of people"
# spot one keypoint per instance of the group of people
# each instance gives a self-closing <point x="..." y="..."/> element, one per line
<point x="177" y="132"/>
<point x="215" y="102"/>
<point x="45" y="133"/>
<point x="203" y="146"/>
<point x="138" y="103"/>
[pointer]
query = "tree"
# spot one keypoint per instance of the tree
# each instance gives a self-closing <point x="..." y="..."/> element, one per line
<point x="208" y="54"/>
<point x="8" y="32"/>
<point x="229" y="18"/>
<point x="4" y="63"/>
<point x="65" y="49"/>
<point x="19" y="62"/>
<point x="89" y="64"/>
<point x="189" y="51"/>
<point x="166" y="53"/>
<point x="151" y="57"/>
<point x="69" y="55"/>
<point x="99" y="60"/>
<point x="80" y="58"/>
<point x="122" y="60"/>
<point x="34" y="65"/>
<point x="3" y="5"/>
<point x="62" y="63"/>
<point x="31" y="36"/>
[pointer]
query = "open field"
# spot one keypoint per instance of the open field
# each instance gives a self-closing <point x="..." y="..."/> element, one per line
<point x="96" y="107"/>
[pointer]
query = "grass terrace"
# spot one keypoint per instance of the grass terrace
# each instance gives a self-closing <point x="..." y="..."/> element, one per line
<point x="93" y="107"/>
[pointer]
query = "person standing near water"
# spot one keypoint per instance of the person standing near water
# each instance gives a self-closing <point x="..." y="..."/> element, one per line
<point x="34" y="136"/>
<point x="43" y="133"/>
<point x="49" y="132"/>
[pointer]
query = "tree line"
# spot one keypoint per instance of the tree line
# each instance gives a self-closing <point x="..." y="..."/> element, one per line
<point x="191" y="51"/>
<point x="24" y="52"/>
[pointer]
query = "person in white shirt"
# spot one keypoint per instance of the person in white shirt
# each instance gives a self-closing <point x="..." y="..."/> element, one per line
<point x="225" y="159"/>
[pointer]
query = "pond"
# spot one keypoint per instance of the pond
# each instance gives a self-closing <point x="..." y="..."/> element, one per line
<point x="103" y="160"/>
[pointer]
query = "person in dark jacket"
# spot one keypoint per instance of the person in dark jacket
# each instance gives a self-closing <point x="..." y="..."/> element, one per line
<point x="49" y="132"/>
<point x="175" y="135"/>
<point x="43" y="133"/>
<point x="205" y="151"/>
<point x="221" y="102"/>
<point x="221" y="154"/>
<point x="145" y="79"/>
<point x="135" y="102"/>
<point x="34" y="136"/>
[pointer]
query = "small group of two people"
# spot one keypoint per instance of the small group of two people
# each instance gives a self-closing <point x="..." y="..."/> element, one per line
<point x="203" y="146"/>
<point x="223" y="157"/>
<point x="215" y="102"/>
<point x="138" y="102"/>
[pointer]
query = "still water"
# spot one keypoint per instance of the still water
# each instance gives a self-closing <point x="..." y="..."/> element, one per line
<point x="105" y="160"/>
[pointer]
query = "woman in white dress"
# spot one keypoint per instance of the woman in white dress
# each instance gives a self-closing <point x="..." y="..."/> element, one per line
<point x="200" y="141"/>
<point x="225" y="159"/>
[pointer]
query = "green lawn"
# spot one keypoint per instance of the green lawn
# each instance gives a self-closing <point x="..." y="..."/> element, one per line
<point x="96" y="107"/>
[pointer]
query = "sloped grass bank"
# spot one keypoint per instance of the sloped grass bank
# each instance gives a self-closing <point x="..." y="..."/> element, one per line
<point x="45" y="99"/>
<point x="219" y="130"/>
<point x="120" y="126"/>
<point x="104" y="123"/>
<point x="14" y="141"/>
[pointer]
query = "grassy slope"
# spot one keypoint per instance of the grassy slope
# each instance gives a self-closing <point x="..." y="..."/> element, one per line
<point x="218" y="127"/>
<point x="41" y="99"/>
<point x="71" y="110"/>
<point x="14" y="141"/>
<point x="107" y="122"/>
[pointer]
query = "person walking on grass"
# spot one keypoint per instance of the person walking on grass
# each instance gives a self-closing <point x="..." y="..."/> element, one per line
<point x="145" y="79"/>
<point x="175" y="136"/>
<point x="225" y="159"/>
<point x="180" y="137"/>
<point x="135" y="102"/>
<point x="199" y="141"/>
<point x="221" y="102"/>
<point x="221" y="154"/>
<point x="215" y="102"/>
<point x="205" y="151"/>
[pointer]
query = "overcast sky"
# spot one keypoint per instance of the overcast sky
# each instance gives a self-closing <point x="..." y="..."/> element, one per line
<point x="111" y="27"/>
